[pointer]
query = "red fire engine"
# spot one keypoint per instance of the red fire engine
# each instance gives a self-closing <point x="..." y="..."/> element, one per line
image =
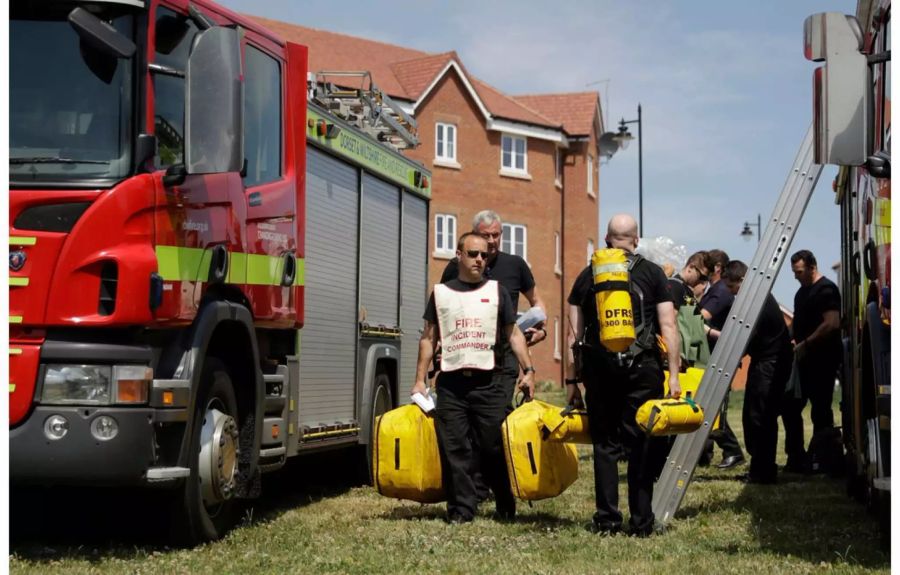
<point x="179" y="211"/>
<point x="852" y="111"/>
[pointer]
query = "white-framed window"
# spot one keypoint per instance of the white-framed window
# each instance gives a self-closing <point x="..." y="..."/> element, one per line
<point x="590" y="176"/>
<point x="515" y="240"/>
<point x="590" y="250"/>
<point x="445" y="234"/>
<point x="445" y="142"/>
<point x="557" y="267"/>
<point x="559" y="167"/>
<point x="557" y="348"/>
<point x="514" y="154"/>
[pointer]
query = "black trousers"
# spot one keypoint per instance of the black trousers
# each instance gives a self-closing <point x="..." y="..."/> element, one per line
<point x="509" y="376"/>
<point x="467" y="408"/>
<point x="613" y="396"/>
<point x="817" y="373"/>
<point x="766" y="380"/>
<point x="724" y="437"/>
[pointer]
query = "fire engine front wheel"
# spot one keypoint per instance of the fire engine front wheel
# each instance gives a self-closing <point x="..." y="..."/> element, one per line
<point x="206" y="508"/>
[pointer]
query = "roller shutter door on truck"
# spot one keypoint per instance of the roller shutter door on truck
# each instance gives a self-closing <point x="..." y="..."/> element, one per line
<point x="329" y="337"/>
<point x="413" y="285"/>
<point x="380" y="253"/>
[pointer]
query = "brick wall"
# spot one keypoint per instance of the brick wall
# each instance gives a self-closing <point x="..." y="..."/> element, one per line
<point x="536" y="203"/>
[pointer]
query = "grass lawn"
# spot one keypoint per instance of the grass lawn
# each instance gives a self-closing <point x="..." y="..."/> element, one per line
<point x="312" y="520"/>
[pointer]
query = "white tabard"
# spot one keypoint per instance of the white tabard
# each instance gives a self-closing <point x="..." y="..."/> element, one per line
<point x="468" y="324"/>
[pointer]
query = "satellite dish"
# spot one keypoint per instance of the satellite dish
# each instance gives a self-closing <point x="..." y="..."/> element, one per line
<point x="608" y="144"/>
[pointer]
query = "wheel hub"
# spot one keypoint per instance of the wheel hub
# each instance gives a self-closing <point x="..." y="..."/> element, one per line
<point x="219" y="451"/>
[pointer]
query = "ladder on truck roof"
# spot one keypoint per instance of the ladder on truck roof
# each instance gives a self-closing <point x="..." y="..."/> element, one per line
<point x="365" y="106"/>
<point x="770" y="255"/>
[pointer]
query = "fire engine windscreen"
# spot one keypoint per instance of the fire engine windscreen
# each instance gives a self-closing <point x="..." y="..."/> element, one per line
<point x="70" y="104"/>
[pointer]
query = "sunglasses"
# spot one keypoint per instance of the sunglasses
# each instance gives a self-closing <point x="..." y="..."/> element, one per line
<point x="701" y="276"/>
<point x="475" y="253"/>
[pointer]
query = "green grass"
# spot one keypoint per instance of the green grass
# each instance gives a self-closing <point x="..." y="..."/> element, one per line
<point x="312" y="521"/>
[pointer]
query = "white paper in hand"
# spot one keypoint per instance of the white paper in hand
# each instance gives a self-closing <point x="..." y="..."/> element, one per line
<point x="531" y="318"/>
<point x="424" y="401"/>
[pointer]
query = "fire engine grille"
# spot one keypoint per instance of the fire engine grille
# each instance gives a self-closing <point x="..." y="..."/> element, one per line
<point x="51" y="217"/>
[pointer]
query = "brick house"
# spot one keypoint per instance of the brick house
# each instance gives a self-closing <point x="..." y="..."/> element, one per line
<point x="533" y="159"/>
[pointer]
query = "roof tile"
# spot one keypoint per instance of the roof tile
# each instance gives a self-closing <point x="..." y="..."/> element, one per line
<point x="574" y="110"/>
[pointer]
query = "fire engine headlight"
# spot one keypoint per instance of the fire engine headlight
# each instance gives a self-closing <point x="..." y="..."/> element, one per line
<point x="76" y="384"/>
<point x="96" y="384"/>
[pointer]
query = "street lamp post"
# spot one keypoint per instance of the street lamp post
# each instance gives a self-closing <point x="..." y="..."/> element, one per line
<point x="623" y="138"/>
<point x="747" y="233"/>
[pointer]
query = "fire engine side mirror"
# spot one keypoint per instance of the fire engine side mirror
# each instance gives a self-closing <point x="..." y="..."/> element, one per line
<point x="879" y="165"/>
<point x="214" y="110"/>
<point x="841" y="115"/>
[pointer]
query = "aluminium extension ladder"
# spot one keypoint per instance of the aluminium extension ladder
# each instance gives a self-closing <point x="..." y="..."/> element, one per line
<point x="770" y="255"/>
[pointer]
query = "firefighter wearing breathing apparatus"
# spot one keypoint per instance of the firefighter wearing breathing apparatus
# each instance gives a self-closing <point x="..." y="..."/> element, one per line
<point x="475" y="322"/>
<point x="617" y="307"/>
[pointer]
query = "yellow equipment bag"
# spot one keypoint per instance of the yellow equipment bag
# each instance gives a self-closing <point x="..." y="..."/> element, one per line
<point x="611" y="284"/>
<point x="669" y="416"/>
<point x="690" y="383"/>
<point x="567" y="425"/>
<point x="538" y="468"/>
<point x="406" y="463"/>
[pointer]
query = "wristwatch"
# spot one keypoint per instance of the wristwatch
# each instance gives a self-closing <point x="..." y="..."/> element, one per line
<point x="529" y="368"/>
<point x="572" y="381"/>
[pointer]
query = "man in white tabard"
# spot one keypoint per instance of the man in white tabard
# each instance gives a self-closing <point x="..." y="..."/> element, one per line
<point x="475" y="322"/>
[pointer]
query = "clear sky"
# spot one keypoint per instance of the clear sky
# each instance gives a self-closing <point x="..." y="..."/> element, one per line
<point x="724" y="86"/>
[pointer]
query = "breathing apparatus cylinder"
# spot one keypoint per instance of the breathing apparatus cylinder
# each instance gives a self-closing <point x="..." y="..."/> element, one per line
<point x="611" y="290"/>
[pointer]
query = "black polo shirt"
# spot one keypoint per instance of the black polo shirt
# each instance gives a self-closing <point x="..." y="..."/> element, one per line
<point x="717" y="301"/>
<point x="646" y="275"/>
<point x="510" y="270"/>
<point x="681" y="293"/>
<point x="810" y="305"/>
<point x="770" y="338"/>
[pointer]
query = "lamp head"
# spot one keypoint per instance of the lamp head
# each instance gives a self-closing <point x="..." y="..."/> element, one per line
<point x="623" y="137"/>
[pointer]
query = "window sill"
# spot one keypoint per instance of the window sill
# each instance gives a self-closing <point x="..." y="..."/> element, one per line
<point x="516" y="175"/>
<point x="442" y="163"/>
<point x="443" y="255"/>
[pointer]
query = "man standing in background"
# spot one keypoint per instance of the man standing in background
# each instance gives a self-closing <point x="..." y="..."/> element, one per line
<point x="714" y="306"/>
<point x="818" y="351"/>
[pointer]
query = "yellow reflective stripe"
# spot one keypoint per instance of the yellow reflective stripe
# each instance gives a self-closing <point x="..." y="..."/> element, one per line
<point x="882" y="236"/>
<point x="237" y="268"/>
<point x="12" y="387"/>
<point x="192" y="264"/>
<point x="22" y="240"/>
<point x="300" y="277"/>
<point x="883" y="212"/>
<point x="18" y="281"/>
<point x="178" y="264"/>
<point x="15" y="319"/>
<point x="15" y="351"/>
<point x="264" y="270"/>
